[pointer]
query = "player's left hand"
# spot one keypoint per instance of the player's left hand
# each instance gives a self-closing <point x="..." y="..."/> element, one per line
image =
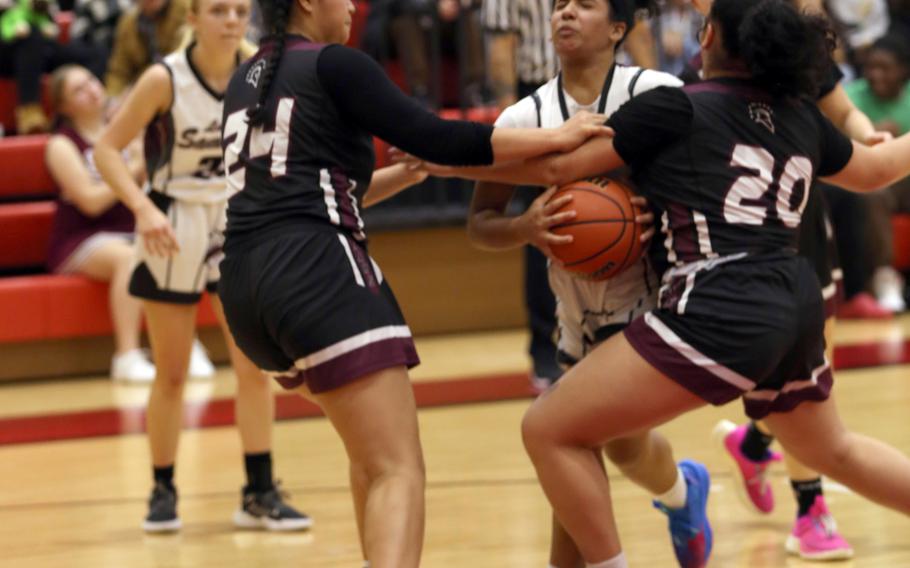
<point x="415" y="167"/>
<point x="576" y="131"/>
<point x="645" y="218"/>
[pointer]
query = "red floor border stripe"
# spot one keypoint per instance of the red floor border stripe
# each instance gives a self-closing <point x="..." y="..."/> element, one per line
<point x="220" y="412"/>
<point x="877" y="354"/>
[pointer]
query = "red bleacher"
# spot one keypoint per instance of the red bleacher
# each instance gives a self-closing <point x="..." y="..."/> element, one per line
<point x="37" y="307"/>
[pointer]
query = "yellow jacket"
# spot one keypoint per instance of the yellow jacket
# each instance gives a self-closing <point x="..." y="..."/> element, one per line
<point x="131" y="55"/>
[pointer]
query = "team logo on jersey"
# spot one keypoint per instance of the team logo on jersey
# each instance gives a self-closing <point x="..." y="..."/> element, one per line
<point x="255" y="72"/>
<point x="762" y="114"/>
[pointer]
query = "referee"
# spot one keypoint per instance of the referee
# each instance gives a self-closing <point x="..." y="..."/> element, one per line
<point x="521" y="59"/>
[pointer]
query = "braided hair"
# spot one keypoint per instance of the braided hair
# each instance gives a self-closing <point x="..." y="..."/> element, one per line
<point x="275" y="14"/>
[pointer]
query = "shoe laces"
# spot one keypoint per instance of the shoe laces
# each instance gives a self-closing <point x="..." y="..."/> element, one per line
<point x="761" y="477"/>
<point x="822" y="519"/>
<point x="162" y="491"/>
<point x="272" y="499"/>
<point x="761" y="471"/>
<point x="680" y="523"/>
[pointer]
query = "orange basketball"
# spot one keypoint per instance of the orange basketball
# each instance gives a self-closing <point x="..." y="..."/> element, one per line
<point x="606" y="238"/>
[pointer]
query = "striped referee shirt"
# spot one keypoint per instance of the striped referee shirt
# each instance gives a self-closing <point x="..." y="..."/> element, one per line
<point x="530" y="19"/>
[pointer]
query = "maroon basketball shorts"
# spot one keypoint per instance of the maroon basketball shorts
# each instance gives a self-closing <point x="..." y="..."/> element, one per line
<point x="314" y="308"/>
<point x="751" y="327"/>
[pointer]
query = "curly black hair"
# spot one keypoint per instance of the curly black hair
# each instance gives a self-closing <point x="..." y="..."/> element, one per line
<point x="786" y="52"/>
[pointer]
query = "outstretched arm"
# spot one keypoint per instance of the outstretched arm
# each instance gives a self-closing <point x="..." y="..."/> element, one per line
<point x="874" y="167"/>
<point x="392" y="180"/>
<point x="841" y="111"/>
<point x="365" y="96"/>
<point x="596" y="156"/>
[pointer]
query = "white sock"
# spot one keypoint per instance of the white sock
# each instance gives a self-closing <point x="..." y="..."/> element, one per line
<point x="366" y="564"/>
<point x="618" y="561"/>
<point x="675" y="498"/>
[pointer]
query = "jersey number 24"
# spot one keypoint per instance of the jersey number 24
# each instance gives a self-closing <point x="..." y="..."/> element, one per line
<point x="261" y="143"/>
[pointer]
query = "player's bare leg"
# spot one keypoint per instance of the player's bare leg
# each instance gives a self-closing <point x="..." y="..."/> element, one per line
<point x="255" y="402"/>
<point x="113" y="263"/>
<point x="585" y="410"/>
<point x="171" y="330"/>
<point x="645" y="459"/>
<point x="815" y="435"/>
<point x="376" y="417"/>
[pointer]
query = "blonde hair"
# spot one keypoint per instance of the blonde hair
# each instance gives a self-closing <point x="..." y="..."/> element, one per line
<point x="246" y="49"/>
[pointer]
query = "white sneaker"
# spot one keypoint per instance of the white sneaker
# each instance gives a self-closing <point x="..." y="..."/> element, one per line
<point x="132" y="367"/>
<point x="889" y="289"/>
<point x="200" y="365"/>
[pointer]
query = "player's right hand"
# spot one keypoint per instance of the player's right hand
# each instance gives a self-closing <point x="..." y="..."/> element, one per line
<point x="155" y="229"/>
<point x="536" y="224"/>
<point x="645" y="218"/>
<point x="578" y="129"/>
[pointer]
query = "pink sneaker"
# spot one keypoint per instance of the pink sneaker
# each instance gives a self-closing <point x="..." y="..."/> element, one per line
<point x="752" y="488"/>
<point x="815" y="537"/>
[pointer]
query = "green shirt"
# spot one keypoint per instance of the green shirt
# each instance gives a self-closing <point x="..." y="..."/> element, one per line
<point x="21" y="13"/>
<point x="878" y="110"/>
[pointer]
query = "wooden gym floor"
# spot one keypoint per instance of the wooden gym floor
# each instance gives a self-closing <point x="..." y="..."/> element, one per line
<point x="74" y="471"/>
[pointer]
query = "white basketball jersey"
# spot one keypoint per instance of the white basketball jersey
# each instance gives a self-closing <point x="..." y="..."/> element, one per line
<point x="625" y="83"/>
<point x="585" y="308"/>
<point x="183" y="146"/>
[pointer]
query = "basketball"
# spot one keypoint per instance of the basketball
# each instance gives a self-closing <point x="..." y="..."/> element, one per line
<point x="606" y="238"/>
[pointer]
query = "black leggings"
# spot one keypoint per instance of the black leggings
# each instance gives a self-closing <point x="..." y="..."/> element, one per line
<point x="849" y="215"/>
<point x="29" y="58"/>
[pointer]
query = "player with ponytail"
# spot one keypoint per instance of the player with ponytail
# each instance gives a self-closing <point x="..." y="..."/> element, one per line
<point x="302" y="296"/>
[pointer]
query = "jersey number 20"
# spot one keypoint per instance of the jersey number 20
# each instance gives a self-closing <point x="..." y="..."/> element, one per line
<point x="747" y="200"/>
<point x="236" y="128"/>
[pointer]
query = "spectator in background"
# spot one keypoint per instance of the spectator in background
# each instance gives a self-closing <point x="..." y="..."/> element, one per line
<point x="147" y="32"/>
<point x="412" y="25"/>
<point x="94" y="24"/>
<point x="882" y="94"/>
<point x="28" y="49"/>
<point x="521" y="59"/>
<point x="92" y="232"/>
<point x="675" y="28"/>
<point x="860" y="23"/>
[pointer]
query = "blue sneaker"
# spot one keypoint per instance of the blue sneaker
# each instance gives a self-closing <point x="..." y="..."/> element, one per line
<point x="689" y="526"/>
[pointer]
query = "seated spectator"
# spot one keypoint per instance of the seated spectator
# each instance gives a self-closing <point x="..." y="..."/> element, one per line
<point x="94" y="23"/>
<point x="882" y="94"/>
<point x="147" y="32"/>
<point x="413" y="23"/>
<point x="28" y="49"/>
<point x="92" y="234"/>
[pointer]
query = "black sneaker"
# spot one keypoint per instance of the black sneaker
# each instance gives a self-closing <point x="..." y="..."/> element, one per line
<point x="162" y="515"/>
<point x="267" y="510"/>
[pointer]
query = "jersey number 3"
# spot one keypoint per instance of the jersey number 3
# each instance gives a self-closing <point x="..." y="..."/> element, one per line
<point x="261" y="143"/>
<point x="768" y="190"/>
